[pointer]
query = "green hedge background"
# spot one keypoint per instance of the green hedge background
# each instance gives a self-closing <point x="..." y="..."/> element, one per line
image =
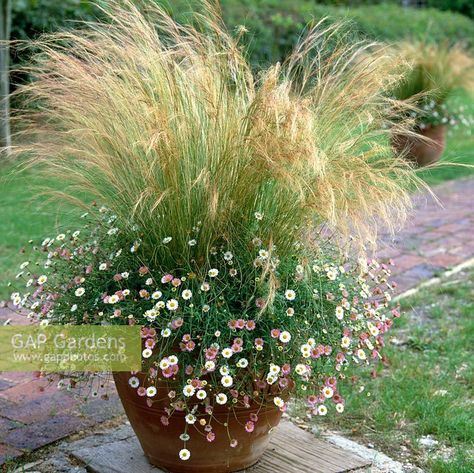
<point x="275" y="25"/>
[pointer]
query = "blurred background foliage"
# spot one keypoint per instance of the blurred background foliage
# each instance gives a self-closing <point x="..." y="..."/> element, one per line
<point x="275" y="25"/>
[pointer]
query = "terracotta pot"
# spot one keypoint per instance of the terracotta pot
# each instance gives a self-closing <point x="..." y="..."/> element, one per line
<point x="162" y="444"/>
<point x="422" y="152"/>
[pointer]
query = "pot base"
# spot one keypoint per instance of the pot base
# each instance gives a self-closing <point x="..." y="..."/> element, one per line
<point x="162" y="444"/>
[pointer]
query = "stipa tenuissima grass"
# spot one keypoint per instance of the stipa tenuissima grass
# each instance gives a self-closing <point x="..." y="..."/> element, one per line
<point x="167" y="126"/>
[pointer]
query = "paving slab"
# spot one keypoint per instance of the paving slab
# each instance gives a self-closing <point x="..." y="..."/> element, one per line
<point x="304" y="454"/>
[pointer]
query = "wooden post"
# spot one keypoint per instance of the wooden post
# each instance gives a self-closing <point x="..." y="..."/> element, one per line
<point x="5" y="25"/>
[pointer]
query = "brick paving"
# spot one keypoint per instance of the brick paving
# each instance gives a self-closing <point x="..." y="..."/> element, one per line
<point x="34" y="413"/>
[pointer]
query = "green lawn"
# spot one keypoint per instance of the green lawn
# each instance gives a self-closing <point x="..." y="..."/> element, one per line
<point x="427" y="386"/>
<point x="459" y="149"/>
<point x="24" y="215"/>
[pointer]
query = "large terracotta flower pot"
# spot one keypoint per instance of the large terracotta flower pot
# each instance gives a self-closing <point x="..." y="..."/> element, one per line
<point x="162" y="444"/>
<point x="422" y="152"/>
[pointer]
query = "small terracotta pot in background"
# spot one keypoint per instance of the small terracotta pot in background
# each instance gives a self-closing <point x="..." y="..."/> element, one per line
<point x="422" y="152"/>
<point x="162" y="444"/>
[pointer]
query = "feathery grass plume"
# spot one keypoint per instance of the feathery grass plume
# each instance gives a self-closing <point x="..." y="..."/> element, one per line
<point x="166" y="125"/>
<point x="438" y="70"/>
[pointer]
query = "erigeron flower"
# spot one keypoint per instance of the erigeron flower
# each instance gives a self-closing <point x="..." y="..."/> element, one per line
<point x="274" y="369"/>
<point x="228" y="255"/>
<point x="79" y="291"/>
<point x="186" y="294"/>
<point x="361" y="354"/>
<point x="300" y="369"/>
<point x="24" y="264"/>
<point x="190" y="419"/>
<point x="339" y="312"/>
<point x="279" y="402"/>
<point x="263" y="254"/>
<point x="210" y="365"/>
<point x="331" y="274"/>
<point x="113" y="299"/>
<point x="164" y="363"/>
<point x="201" y="394"/>
<point x="156" y="295"/>
<point x="290" y="312"/>
<point x="102" y="266"/>
<point x="165" y="333"/>
<point x="166" y="240"/>
<point x="258" y="215"/>
<point x="149" y="282"/>
<point x="172" y="304"/>
<point x="112" y="231"/>
<point x="233" y="272"/>
<point x="213" y="273"/>
<point x="125" y="275"/>
<point x="173" y="360"/>
<point x="134" y="382"/>
<point x="189" y="390"/>
<point x="151" y="391"/>
<point x="227" y="352"/>
<point x="205" y="286"/>
<point x="340" y="407"/>
<point x="42" y="279"/>
<point x="306" y="350"/>
<point x="184" y="454"/>
<point x="285" y="336"/>
<point x="221" y="399"/>
<point x="271" y="378"/>
<point x="328" y="392"/>
<point x="290" y="295"/>
<point x="322" y="410"/>
<point x="146" y="353"/>
<point x="227" y="381"/>
<point x="192" y="242"/>
<point x="160" y="305"/>
<point x="243" y="363"/>
<point x="61" y="237"/>
<point x="345" y="342"/>
<point x="223" y="370"/>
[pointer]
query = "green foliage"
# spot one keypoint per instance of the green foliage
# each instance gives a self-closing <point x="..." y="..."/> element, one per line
<point x="33" y="17"/>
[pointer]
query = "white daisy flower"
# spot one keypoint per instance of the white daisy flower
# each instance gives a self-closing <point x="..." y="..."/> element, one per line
<point x="164" y="363"/>
<point x="243" y="363"/>
<point x="227" y="381"/>
<point x="74" y="308"/>
<point x="24" y="264"/>
<point x="345" y="342"/>
<point x="42" y="279"/>
<point x="223" y="370"/>
<point x="165" y="333"/>
<point x="210" y="365"/>
<point x="285" y="336"/>
<point x="134" y="382"/>
<point x="102" y="266"/>
<point x="340" y="407"/>
<point x="146" y="353"/>
<point x="322" y="410"/>
<point x="151" y="391"/>
<point x="361" y="354"/>
<point x="228" y="256"/>
<point x="184" y="454"/>
<point x="190" y="419"/>
<point x="186" y="294"/>
<point x="189" y="390"/>
<point x="290" y="295"/>
<point x="192" y="242"/>
<point x="279" y="402"/>
<point x="61" y="237"/>
<point x="79" y="291"/>
<point x="259" y="215"/>
<point x="166" y="240"/>
<point x="113" y="299"/>
<point x="213" y="273"/>
<point x="172" y="304"/>
<point x="306" y="350"/>
<point x="201" y="394"/>
<point x="328" y="392"/>
<point x="227" y="352"/>
<point x="173" y="360"/>
<point x="125" y="275"/>
<point x="300" y="369"/>
<point x="156" y="295"/>
<point x="221" y="399"/>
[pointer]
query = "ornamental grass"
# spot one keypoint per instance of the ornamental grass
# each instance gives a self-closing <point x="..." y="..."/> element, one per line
<point x="213" y="186"/>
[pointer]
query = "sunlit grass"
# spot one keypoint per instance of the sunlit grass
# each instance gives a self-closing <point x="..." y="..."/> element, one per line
<point x="427" y="386"/>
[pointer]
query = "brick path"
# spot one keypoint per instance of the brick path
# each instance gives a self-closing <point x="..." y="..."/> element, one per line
<point x="34" y="414"/>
